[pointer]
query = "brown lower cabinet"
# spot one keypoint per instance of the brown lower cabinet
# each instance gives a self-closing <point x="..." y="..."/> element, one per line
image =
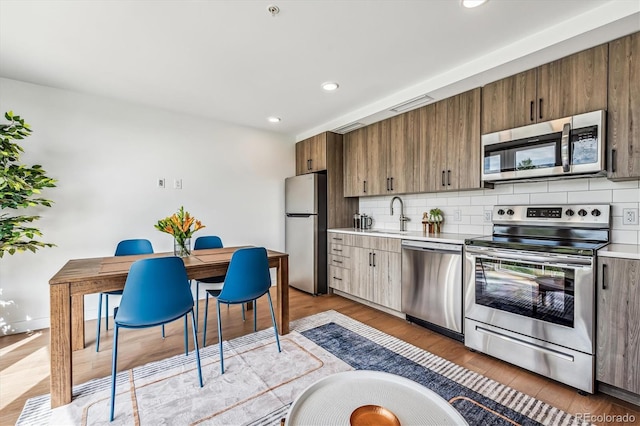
<point x="618" y="319"/>
<point x="366" y="267"/>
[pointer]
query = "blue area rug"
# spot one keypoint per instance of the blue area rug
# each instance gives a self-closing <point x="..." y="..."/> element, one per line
<point x="363" y="354"/>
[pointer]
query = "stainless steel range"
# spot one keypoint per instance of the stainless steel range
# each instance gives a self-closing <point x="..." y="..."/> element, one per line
<point x="530" y="289"/>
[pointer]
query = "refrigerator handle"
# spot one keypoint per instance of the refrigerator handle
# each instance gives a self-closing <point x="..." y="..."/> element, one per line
<point x="299" y="215"/>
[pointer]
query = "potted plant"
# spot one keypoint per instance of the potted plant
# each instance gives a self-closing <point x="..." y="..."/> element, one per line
<point x="20" y="186"/>
<point x="435" y="219"/>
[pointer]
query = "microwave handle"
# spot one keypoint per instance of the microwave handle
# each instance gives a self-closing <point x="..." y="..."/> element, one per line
<point x="565" y="148"/>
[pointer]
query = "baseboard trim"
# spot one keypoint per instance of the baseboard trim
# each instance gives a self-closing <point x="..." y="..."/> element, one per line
<point x="370" y="304"/>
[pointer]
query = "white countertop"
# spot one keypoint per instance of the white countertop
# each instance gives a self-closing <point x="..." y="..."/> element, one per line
<point x="409" y="235"/>
<point x="624" y="251"/>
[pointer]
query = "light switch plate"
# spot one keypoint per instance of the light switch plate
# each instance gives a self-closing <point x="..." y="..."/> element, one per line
<point x="161" y="183"/>
<point x="177" y="184"/>
<point x="457" y="215"/>
<point x="487" y="216"/>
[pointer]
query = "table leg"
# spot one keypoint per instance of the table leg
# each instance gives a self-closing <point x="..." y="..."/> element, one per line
<point x="77" y="322"/>
<point x="282" y="302"/>
<point x="61" y="375"/>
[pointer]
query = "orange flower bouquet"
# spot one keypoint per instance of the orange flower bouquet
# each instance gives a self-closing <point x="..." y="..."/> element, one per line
<point x="182" y="226"/>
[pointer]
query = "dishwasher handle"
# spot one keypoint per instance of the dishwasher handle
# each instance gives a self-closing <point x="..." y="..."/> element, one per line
<point x="432" y="246"/>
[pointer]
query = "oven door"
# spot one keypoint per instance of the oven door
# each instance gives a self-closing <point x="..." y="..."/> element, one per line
<point x="545" y="296"/>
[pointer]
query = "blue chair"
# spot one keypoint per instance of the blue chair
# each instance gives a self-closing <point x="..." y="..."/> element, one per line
<point x="247" y="280"/>
<point x="165" y="278"/>
<point x="124" y="248"/>
<point x="207" y="242"/>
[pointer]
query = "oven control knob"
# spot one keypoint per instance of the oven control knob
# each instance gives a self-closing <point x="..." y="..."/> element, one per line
<point x="582" y="212"/>
<point x="500" y="212"/>
<point x="569" y="212"/>
<point x="510" y="212"/>
<point x="595" y="212"/>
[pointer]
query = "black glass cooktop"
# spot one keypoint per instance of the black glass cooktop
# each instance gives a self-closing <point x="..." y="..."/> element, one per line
<point x="587" y="248"/>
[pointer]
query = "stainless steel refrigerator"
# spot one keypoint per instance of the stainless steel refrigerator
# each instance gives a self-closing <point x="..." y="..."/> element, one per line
<point x="306" y="231"/>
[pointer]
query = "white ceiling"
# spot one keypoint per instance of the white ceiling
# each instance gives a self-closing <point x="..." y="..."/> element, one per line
<point x="233" y="61"/>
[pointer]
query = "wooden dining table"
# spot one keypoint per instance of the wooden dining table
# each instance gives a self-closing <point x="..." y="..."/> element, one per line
<point x="86" y="276"/>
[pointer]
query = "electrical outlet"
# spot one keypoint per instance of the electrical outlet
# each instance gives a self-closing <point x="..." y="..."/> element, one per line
<point x="629" y="216"/>
<point x="177" y="184"/>
<point x="161" y="183"/>
<point x="487" y="216"/>
<point x="457" y="215"/>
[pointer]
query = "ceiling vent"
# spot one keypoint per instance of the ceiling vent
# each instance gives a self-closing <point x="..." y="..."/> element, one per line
<point x="348" y="127"/>
<point x="412" y="103"/>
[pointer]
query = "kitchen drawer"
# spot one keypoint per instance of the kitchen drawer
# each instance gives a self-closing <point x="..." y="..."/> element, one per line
<point x="339" y="238"/>
<point x="339" y="279"/>
<point x="377" y="243"/>
<point x="339" y="250"/>
<point x="339" y="261"/>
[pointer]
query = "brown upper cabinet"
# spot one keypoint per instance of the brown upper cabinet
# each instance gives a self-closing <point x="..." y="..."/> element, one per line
<point x="324" y="153"/>
<point x="623" y="134"/>
<point x="311" y="154"/>
<point x="379" y="159"/>
<point x="448" y="149"/>
<point x="569" y="86"/>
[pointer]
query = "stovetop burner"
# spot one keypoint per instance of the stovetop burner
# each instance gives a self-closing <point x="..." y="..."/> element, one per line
<point x="585" y="248"/>
<point x="566" y="229"/>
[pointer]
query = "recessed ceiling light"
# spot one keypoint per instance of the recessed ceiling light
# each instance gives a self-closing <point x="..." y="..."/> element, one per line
<point x="472" y="3"/>
<point x="330" y="86"/>
<point x="274" y="119"/>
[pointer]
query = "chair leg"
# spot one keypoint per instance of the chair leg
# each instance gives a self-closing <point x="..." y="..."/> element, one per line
<point x="273" y="319"/>
<point x="114" y="363"/>
<point x="242" y="312"/>
<point x="220" y="338"/>
<point x="255" y="315"/>
<point x="197" y="302"/>
<point x="163" y="331"/>
<point x="206" y="314"/>
<point x="195" y="344"/>
<point x="186" y="340"/>
<point x="99" y="319"/>
<point x="106" y="312"/>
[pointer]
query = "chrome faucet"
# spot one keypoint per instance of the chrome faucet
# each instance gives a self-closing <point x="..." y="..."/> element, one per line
<point x="403" y="218"/>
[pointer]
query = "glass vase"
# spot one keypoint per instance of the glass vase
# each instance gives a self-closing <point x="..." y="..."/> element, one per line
<point x="182" y="248"/>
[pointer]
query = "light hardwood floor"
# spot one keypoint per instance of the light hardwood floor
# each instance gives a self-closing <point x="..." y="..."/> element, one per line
<point x="24" y="359"/>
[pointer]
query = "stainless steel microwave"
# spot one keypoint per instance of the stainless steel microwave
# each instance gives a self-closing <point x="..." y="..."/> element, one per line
<point x="571" y="146"/>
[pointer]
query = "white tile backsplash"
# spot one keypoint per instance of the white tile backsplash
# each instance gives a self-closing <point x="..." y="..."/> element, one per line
<point x="577" y="197"/>
<point x="472" y="204"/>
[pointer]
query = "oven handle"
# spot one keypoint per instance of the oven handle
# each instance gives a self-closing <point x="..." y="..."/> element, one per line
<point x="523" y="343"/>
<point x="556" y="259"/>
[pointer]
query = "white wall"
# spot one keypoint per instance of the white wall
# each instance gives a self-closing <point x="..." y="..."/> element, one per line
<point x="107" y="156"/>
<point x="472" y="204"/>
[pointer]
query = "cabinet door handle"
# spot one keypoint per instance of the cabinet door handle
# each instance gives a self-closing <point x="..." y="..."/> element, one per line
<point x="531" y="118"/>
<point x="374" y="260"/>
<point x="364" y="188"/>
<point x="449" y="177"/>
<point x="443" y="178"/>
<point x="370" y="262"/>
<point x="540" y="107"/>
<point x="335" y="249"/>
<point x="604" y="275"/>
<point x="337" y="239"/>
<point x="336" y="278"/>
<point x="387" y="184"/>
<point x="614" y="155"/>
<point x="337" y="261"/>
<point x="392" y="184"/>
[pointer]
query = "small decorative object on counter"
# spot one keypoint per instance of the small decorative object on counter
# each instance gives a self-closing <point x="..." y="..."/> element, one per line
<point x="366" y="222"/>
<point x="435" y="220"/>
<point x="425" y="222"/>
<point x="356" y="221"/>
<point x="182" y="226"/>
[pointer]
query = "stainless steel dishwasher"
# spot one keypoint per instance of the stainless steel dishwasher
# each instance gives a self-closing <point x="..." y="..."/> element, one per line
<point x="432" y="286"/>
